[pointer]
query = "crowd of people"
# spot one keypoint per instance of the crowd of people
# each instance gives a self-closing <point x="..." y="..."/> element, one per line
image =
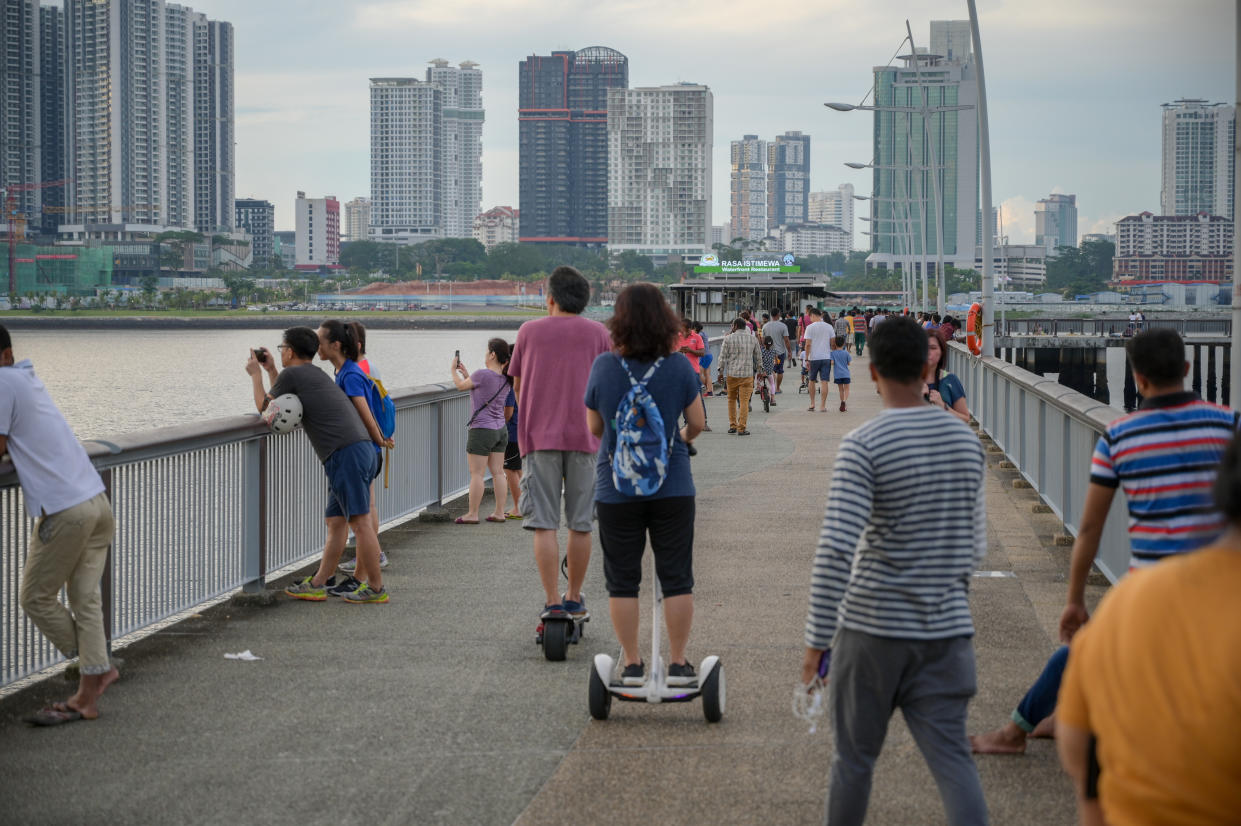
<point x="1144" y="699"/>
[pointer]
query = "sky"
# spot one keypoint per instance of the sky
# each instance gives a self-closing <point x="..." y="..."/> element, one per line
<point x="1074" y="86"/>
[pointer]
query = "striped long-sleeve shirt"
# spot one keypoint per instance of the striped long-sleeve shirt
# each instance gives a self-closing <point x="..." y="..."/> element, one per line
<point x="1165" y="456"/>
<point x="904" y="529"/>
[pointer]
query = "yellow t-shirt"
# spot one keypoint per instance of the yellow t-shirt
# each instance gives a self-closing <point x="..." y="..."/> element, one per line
<point x="1156" y="676"/>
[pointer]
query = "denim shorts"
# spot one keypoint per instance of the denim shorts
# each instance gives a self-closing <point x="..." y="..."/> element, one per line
<point x="820" y="369"/>
<point x="349" y="473"/>
<point x="843" y="381"/>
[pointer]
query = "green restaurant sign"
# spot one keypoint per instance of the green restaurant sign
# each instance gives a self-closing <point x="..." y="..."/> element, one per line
<point x="712" y="264"/>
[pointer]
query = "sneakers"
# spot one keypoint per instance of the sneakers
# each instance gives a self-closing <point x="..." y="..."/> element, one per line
<point x="347" y="586"/>
<point x="693" y="451"/>
<point x="352" y="565"/>
<point x="682" y="674"/>
<point x="576" y="609"/>
<point x="743" y="433"/>
<point x="634" y="674"/>
<point x="305" y="589"/>
<point x="706" y="428"/>
<point x="732" y="430"/>
<point x="364" y="594"/>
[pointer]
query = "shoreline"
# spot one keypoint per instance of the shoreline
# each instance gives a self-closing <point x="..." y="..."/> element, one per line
<point x="260" y="321"/>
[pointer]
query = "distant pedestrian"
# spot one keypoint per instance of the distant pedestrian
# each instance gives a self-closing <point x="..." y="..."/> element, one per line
<point x="779" y="333"/>
<point x="486" y="432"/>
<point x="550" y="366"/>
<point x="819" y="336"/>
<point x="69" y="545"/>
<point x="791" y="324"/>
<point x="859" y="331"/>
<point x="889" y="616"/>
<point x="644" y="331"/>
<point x="840" y="367"/>
<point x="364" y="364"/>
<point x="739" y="360"/>
<point x="842" y="325"/>
<point x="767" y="357"/>
<point x="512" y="452"/>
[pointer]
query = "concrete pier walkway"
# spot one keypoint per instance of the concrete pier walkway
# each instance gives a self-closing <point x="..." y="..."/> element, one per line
<point x="440" y="708"/>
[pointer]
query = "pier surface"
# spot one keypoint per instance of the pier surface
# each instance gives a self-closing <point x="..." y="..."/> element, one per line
<point x="440" y="708"/>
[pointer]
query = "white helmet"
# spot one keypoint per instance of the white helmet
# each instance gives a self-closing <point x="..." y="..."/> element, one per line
<point x="283" y="413"/>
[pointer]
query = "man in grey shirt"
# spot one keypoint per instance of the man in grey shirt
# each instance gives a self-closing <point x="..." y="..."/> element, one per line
<point x="779" y="333"/>
<point x="340" y="440"/>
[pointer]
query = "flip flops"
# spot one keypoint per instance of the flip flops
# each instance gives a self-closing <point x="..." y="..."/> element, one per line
<point x="55" y="715"/>
<point x="494" y="518"/>
<point x="461" y="520"/>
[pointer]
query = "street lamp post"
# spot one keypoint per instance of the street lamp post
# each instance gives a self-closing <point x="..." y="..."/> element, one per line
<point x="984" y="152"/>
<point x="908" y="281"/>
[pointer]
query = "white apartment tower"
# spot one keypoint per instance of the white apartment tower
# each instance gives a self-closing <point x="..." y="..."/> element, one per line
<point x="357" y="220"/>
<point x="1198" y="158"/>
<point x="462" y="143"/>
<point x="149" y="104"/>
<point x="833" y="207"/>
<point x="748" y="190"/>
<point x="426" y="154"/>
<point x="317" y="228"/>
<point x="659" y="170"/>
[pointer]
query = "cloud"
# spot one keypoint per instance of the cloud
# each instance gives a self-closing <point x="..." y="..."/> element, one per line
<point x="1017" y="220"/>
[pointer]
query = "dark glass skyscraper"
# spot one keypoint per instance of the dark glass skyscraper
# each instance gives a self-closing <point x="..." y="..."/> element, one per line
<point x="788" y="180"/>
<point x="563" y="111"/>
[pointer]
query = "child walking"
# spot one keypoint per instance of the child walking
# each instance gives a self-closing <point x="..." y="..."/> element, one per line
<point x="767" y="355"/>
<point x="840" y="369"/>
<point x="889" y="618"/>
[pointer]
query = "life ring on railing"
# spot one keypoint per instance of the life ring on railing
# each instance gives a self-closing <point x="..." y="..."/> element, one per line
<point x="973" y="329"/>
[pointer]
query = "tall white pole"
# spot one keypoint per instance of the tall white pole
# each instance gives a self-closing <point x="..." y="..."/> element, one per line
<point x="1234" y="380"/>
<point x="984" y="152"/>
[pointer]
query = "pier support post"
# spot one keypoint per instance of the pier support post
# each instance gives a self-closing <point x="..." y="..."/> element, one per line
<point x="1197" y="370"/>
<point x="1212" y="384"/>
<point x="1101" y="392"/>
<point x="1225" y="396"/>
<point x="254" y="512"/>
<point x="1131" y="389"/>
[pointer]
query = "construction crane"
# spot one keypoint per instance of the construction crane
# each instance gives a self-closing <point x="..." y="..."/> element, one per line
<point x="14" y="219"/>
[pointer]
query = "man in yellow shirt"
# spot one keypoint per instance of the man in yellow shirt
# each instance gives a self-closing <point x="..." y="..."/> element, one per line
<point x="1148" y="723"/>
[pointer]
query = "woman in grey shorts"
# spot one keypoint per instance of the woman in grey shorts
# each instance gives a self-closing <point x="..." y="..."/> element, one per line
<point x="488" y="435"/>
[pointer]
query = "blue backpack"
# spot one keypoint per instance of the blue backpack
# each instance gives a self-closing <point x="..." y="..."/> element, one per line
<point x="382" y="408"/>
<point x="640" y="458"/>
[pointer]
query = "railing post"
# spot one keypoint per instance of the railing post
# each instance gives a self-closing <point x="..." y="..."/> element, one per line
<point x="254" y="515"/>
<point x="439" y="460"/>
<point x="105" y="582"/>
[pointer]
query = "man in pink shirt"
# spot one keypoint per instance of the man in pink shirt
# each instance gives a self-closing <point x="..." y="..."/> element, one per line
<point x="550" y="366"/>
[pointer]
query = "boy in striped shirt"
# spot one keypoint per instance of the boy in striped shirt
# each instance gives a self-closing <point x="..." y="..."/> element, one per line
<point x="1166" y="456"/>
<point x="889" y="604"/>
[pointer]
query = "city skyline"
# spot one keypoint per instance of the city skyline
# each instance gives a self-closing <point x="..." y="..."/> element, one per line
<point x="302" y="122"/>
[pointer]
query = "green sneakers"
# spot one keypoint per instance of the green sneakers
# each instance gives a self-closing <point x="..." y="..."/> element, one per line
<point x="366" y="595"/>
<point x="305" y="589"/>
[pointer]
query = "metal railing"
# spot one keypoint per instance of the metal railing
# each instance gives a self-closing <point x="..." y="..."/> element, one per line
<point x="205" y="509"/>
<point x="1105" y="326"/>
<point x="1049" y="432"/>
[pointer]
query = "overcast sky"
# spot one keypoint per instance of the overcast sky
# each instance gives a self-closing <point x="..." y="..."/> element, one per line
<point x="1075" y="85"/>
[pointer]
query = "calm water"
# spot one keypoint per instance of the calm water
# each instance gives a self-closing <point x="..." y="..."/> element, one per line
<point x="109" y="382"/>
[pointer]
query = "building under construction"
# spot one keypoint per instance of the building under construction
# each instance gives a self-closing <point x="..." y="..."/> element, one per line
<point x="66" y="271"/>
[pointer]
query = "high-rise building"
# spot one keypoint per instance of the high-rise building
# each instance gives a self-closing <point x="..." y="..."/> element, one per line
<point x="833" y="207"/>
<point x="357" y="220"/>
<point x="52" y="114"/>
<point x="563" y="127"/>
<point x="149" y="107"/>
<point x="461" y="143"/>
<point x="951" y="39"/>
<point x="1055" y="222"/>
<point x="20" y="108"/>
<point x="426" y="154"/>
<point x="498" y="225"/>
<point x="317" y="227"/>
<point x="1198" y="158"/>
<point x="748" y="212"/>
<point x="1184" y="248"/>
<point x="659" y="170"/>
<point x="788" y="180"/>
<point x="213" y="125"/>
<point x="258" y="218"/>
<point x="813" y="239"/>
<point x="900" y="147"/>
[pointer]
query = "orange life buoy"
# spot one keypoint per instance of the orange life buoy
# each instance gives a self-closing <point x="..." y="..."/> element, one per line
<point x="973" y="329"/>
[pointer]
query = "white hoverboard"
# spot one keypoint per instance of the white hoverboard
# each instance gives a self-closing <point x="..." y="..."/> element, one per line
<point x="709" y="685"/>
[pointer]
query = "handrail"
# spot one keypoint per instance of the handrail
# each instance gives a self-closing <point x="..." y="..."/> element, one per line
<point x="207" y="508"/>
<point x="1049" y="433"/>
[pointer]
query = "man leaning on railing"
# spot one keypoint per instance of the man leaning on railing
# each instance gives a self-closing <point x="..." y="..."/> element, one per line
<point x="69" y="548"/>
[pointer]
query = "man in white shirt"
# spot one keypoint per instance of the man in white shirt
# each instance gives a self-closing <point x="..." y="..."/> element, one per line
<point x="779" y="342"/>
<point x="819" y="337"/>
<point x="69" y="547"/>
